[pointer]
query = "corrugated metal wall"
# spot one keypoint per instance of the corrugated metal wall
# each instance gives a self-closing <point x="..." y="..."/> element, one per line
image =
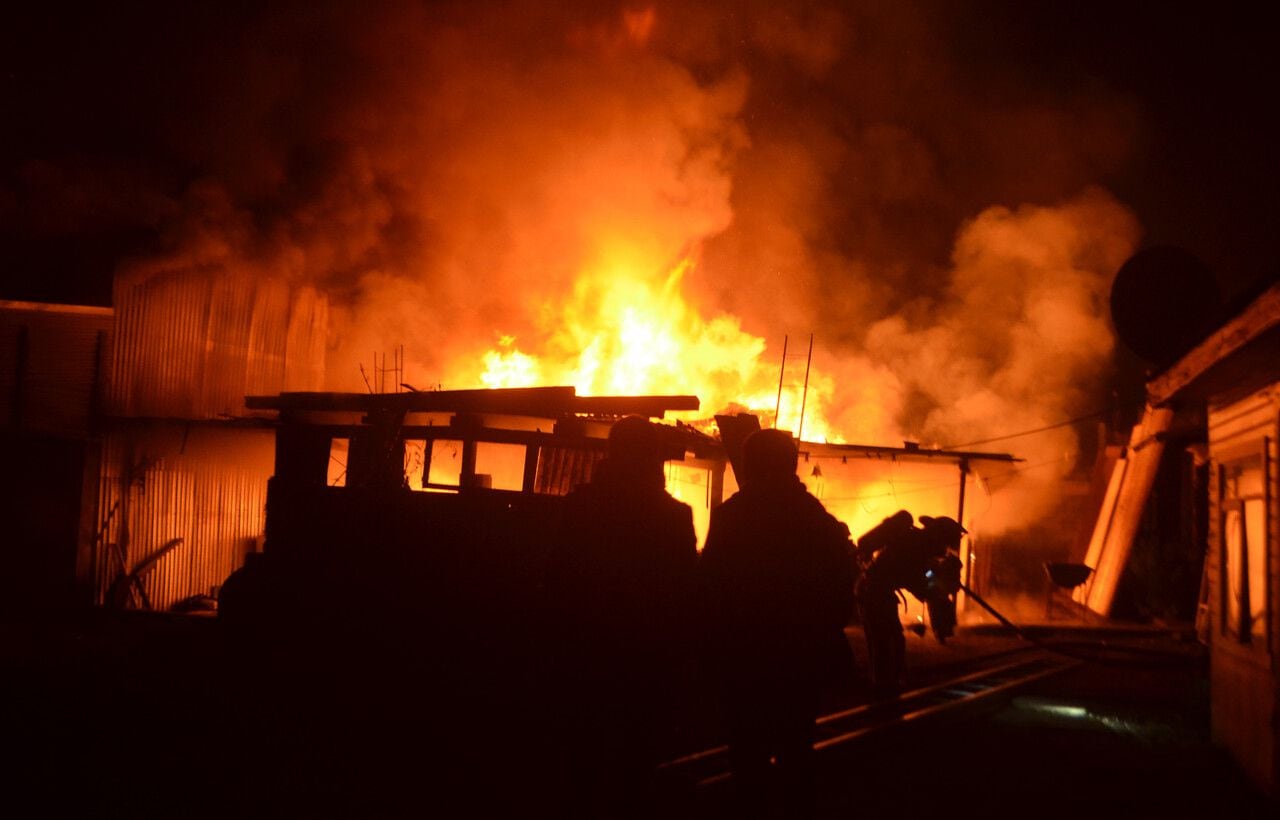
<point x="204" y="484"/>
<point x="192" y="344"/>
<point x="188" y="346"/>
<point x="51" y="358"/>
<point x="181" y="348"/>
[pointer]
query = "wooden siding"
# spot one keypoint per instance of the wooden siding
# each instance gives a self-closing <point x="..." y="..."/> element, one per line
<point x="193" y="344"/>
<point x="1243" y="677"/>
<point x="162" y="481"/>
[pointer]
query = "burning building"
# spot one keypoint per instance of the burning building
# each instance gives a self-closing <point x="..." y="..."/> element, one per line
<point x="631" y="201"/>
<point x="170" y="481"/>
<point x="366" y="482"/>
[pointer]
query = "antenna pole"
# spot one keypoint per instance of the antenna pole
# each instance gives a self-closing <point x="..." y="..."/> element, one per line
<point x="804" y="397"/>
<point x="782" y="370"/>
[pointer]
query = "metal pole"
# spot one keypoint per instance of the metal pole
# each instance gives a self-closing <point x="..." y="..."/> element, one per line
<point x="804" y="396"/>
<point x="782" y="369"/>
<point x="968" y="557"/>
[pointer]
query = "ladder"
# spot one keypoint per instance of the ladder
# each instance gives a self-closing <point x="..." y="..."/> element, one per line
<point x="804" y="393"/>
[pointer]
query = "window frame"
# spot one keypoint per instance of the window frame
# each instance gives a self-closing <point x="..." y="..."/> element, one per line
<point x="1241" y="629"/>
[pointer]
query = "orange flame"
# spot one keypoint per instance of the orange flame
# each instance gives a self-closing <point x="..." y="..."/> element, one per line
<point x="626" y="331"/>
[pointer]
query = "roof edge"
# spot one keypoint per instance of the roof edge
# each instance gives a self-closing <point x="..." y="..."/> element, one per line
<point x="1260" y="316"/>
<point x="54" y="307"/>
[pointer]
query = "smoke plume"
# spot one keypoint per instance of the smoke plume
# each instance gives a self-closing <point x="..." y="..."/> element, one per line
<point x="449" y="172"/>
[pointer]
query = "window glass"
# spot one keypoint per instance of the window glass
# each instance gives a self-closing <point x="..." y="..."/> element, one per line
<point x="692" y="485"/>
<point x="415" y="451"/>
<point x="338" y="450"/>
<point x="1244" y="549"/>
<point x="1233" y="592"/>
<point x="1255" y="514"/>
<point x="1243" y="479"/>
<point x="446" y="462"/>
<point x="502" y="463"/>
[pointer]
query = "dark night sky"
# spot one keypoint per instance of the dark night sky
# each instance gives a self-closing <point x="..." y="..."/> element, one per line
<point x="1207" y="171"/>
<point x="98" y="105"/>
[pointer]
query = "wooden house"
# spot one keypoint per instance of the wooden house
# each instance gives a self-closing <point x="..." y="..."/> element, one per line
<point x="1233" y="375"/>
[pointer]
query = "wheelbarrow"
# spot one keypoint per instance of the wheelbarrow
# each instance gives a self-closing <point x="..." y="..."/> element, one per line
<point x="1063" y="575"/>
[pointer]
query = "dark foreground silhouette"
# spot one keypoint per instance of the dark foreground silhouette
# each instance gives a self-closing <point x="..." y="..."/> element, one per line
<point x="620" y="626"/>
<point x="777" y="588"/>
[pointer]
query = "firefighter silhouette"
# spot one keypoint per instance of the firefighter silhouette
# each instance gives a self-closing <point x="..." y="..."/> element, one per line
<point x="777" y="582"/>
<point x="620" y="587"/>
<point x="896" y="555"/>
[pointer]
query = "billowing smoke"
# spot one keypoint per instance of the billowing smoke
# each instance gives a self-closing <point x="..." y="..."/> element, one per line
<point x="1018" y="341"/>
<point x="448" y="172"/>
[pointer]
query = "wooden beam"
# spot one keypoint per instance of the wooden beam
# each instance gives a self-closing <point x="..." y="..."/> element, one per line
<point x="1260" y="316"/>
<point x="647" y="406"/>
<point x="821" y="450"/>
<point x="442" y="401"/>
<point x="548" y="402"/>
<point x="1118" y="521"/>
<point x="49" y="307"/>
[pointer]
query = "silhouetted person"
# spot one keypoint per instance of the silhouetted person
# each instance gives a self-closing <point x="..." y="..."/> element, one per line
<point x="620" y="586"/>
<point x="921" y="560"/>
<point x="778" y="589"/>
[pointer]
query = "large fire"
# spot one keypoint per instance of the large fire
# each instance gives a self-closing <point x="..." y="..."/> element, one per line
<point x="641" y="201"/>
<point x="626" y="329"/>
<point x="649" y="199"/>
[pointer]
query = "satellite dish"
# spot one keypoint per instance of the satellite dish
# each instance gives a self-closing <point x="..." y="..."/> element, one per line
<point x="1162" y="300"/>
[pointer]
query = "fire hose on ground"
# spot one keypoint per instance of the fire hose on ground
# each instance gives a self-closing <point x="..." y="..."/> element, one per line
<point x="1062" y="649"/>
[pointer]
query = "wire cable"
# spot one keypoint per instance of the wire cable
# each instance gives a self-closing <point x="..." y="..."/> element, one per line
<point x="1044" y="429"/>
<point x="1111" y="409"/>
